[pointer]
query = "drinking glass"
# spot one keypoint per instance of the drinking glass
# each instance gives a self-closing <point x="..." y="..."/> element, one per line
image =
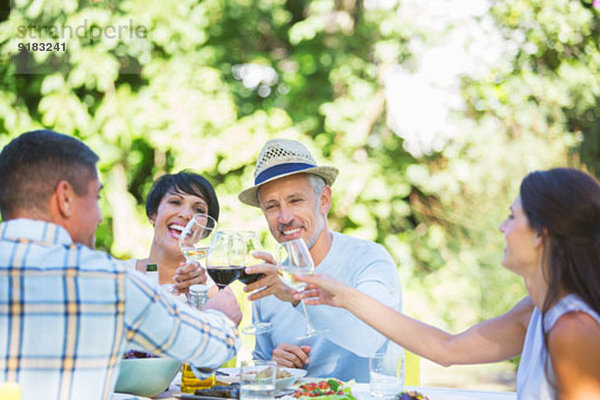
<point x="193" y="240"/>
<point x="257" y="380"/>
<point x="226" y="258"/>
<point x="294" y="258"/>
<point x="252" y="244"/>
<point x="386" y="374"/>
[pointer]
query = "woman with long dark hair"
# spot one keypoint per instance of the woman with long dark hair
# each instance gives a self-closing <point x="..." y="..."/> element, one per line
<point x="553" y="241"/>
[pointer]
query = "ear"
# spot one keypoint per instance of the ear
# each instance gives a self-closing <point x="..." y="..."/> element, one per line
<point x="325" y="200"/>
<point x="64" y="198"/>
<point x="152" y="218"/>
<point x="539" y="237"/>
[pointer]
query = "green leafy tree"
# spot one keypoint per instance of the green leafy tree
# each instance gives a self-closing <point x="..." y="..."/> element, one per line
<point x="203" y="84"/>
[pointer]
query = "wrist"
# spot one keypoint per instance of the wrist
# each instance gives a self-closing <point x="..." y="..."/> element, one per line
<point x="226" y="318"/>
<point x="287" y="295"/>
<point x="348" y="298"/>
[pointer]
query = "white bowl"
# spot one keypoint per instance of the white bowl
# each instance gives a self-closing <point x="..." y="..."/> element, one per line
<point x="146" y="376"/>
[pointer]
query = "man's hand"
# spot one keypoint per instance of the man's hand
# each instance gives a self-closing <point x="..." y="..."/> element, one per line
<point x="270" y="282"/>
<point x="322" y="289"/>
<point x="187" y="275"/>
<point x="225" y="302"/>
<point x="291" y="356"/>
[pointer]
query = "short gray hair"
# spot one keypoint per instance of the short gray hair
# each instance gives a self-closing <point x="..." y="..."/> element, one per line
<point x="317" y="183"/>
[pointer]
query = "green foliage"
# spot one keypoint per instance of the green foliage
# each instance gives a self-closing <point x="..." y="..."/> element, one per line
<point x="185" y="96"/>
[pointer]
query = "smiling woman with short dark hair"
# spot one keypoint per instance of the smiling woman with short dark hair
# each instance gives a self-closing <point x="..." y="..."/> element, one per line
<point x="170" y="204"/>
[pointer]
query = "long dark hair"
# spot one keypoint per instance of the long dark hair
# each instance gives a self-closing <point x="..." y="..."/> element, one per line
<point x="564" y="205"/>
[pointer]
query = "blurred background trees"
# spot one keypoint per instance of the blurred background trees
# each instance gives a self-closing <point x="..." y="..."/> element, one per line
<point x="433" y="111"/>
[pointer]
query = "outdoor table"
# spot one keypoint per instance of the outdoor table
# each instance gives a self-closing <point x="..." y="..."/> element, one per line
<point x="361" y="392"/>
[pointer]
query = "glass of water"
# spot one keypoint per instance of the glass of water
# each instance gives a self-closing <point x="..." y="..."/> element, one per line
<point x="386" y="375"/>
<point x="257" y="380"/>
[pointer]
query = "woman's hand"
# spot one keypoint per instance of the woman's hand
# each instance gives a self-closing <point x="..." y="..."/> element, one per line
<point x="322" y="289"/>
<point x="187" y="275"/>
<point x="270" y="283"/>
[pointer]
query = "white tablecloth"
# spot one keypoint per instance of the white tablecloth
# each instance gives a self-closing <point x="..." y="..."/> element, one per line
<point x="361" y="392"/>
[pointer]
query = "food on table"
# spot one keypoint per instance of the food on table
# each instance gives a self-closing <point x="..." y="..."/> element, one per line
<point x="282" y="373"/>
<point x="229" y="391"/>
<point x="333" y="388"/>
<point x="265" y="373"/>
<point x="279" y="374"/>
<point x="411" y="395"/>
<point x="138" y="354"/>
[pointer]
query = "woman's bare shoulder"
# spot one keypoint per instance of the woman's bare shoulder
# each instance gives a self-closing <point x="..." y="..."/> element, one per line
<point x="574" y="346"/>
<point x="575" y="328"/>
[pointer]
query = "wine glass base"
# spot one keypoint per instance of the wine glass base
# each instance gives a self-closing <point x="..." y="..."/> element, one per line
<point x="257" y="329"/>
<point x="312" y="333"/>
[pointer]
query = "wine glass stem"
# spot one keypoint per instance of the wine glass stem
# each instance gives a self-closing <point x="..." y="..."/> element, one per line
<point x="254" y="313"/>
<point x="309" y="326"/>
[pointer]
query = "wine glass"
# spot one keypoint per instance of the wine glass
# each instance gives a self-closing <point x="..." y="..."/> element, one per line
<point x="294" y="258"/>
<point x="193" y="240"/>
<point x="226" y="257"/>
<point x="252" y="244"/>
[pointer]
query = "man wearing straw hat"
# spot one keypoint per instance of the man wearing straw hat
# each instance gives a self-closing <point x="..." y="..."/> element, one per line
<point x="294" y="194"/>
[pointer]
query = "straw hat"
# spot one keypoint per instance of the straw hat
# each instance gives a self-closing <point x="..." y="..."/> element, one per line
<point x="283" y="157"/>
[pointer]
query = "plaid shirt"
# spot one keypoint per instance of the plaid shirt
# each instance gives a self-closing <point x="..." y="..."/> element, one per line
<point x="67" y="312"/>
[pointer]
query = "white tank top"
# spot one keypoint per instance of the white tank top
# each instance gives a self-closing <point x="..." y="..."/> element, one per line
<point x="532" y="383"/>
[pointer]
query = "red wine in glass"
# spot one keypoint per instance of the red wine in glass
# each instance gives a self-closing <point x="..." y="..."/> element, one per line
<point x="224" y="275"/>
<point x="247" y="279"/>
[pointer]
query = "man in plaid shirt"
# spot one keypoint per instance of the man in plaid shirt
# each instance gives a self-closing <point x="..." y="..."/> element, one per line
<point x="67" y="311"/>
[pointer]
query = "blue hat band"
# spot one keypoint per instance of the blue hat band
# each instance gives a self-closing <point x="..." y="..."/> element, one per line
<point x="280" y="169"/>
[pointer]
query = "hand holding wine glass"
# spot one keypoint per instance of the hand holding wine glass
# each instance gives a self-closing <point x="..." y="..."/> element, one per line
<point x="188" y="274"/>
<point x="295" y="259"/>
<point x="194" y="243"/>
<point x="323" y="289"/>
<point x="270" y="282"/>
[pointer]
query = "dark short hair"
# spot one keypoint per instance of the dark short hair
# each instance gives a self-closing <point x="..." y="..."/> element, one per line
<point x="32" y="165"/>
<point x="184" y="181"/>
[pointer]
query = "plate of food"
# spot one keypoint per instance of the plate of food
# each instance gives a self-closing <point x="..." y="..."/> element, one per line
<point x="325" y="389"/>
<point x="218" y="392"/>
<point x="285" y="376"/>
